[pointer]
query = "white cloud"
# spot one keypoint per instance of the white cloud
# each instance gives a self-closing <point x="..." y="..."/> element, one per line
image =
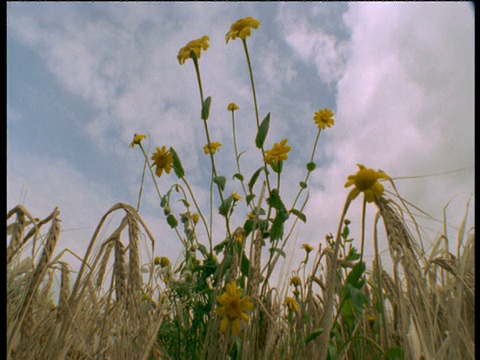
<point x="41" y="184"/>
<point x="398" y="109"/>
<point x="403" y="80"/>
<point x="313" y="43"/>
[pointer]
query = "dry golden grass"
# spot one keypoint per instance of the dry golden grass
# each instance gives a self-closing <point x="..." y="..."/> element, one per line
<point x="423" y="305"/>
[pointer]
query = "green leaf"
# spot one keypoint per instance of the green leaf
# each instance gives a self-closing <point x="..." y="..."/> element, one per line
<point x="220" y="181"/>
<point x="238" y="176"/>
<point x="277" y="168"/>
<point x="226" y="205"/>
<point x="311" y="166"/>
<point x="394" y="353"/>
<point x="172" y="221"/>
<point x="238" y="157"/>
<point x="185" y="203"/>
<point x="219" y="247"/>
<point x="206" y="108"/>
<point x="254" y="178"/>
<point x="262" y="132"/>
<point x="177" y="164"/>
<point x="313" y="335"/>
<point x="227" y="262"/>
<point x="245" y="265"/>
<point x="352" y="254"/>
<point x="164" y="200"/>
<point x="332" y="351"/>
<point x="248" y="226"/>
<point x="249" y="198"/>
<point x="303" y="184"/>
<point x="276" y="231"/>
<point x="202" y="248"/>
<point x="275" y="201"/>
<point x="357" y="296"/>
<point x="345" y="232"/>
<point x="299" y="214"/>
<point x="353" y="278"/>
<point x="280" y="251"/>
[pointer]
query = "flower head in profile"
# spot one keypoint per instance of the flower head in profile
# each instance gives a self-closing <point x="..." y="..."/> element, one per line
<point x="291" y="304"/>
<point x="241" y="28"/>
<point x="163" y="160"/>
<point x="236" y="196"/>
<point x="162" y="261"/>
<point x="232" y="107"/>
<point x="324" y="118"/>
<point x="307" y="247"/>
<point x="196" y="46"/>
<point x="366" y="181"/>
<point x="195" y="218"/>
<point x="213" y="145"/>
<point x="277" y="152"/>
<point x="295" y="281"/>
<point x="137" y="139"/>
<point x="234" y="308"/>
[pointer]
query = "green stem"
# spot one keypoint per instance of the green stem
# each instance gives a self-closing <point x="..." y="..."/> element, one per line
<point x="255" y="104"/>
<point x="214" y="170"/>
<point x="308" y="172"/>
<point x="363" y="227"/>
<point x="151" y="172"/>
<point x="237" y="160"/>
<point x="141" y="185"/>
<point x="199" y="211"/>
<point x="158" y="190"/>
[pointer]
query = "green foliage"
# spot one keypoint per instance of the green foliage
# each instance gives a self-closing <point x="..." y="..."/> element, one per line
<point x="172" y="221"/>
<point x="262" y="132"/>
<point x="206" y="108"/>
<point x="221" y="181"/>
<point x="177" y="164"/>
<point x="311" y="166"/>
<point x="299" y="214"/>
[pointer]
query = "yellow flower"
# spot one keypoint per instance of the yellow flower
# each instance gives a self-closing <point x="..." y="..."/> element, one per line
<point x="233" y="308"/>
<point x="162" y="261"/>
<point x="291" y="303"/>
<point x="214" y="146"/>
<point x="196" y="46"/>
<point x="295" y="281"/>
<point x="137" y="139"/>
<point x="324" y="118"/>
<point x="308" y="248"/>
<point x="163" y="159"/>
<point x="241" y="28"/>
<point x="365" y="180"/>
<point x="239" y="237"/>
<point x="232" y="107"/>
<point x="195" y="218"/>
<point x="277" y="153"/>
<point x="236" y="196"/>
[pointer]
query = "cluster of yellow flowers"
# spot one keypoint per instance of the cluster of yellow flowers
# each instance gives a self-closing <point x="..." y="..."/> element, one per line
<point x="234" y="307"/>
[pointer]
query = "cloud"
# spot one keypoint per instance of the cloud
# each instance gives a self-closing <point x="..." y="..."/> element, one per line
<point x="41" y="184"/>
<point x="399" y="81"/>
<point x="405" y="102"/>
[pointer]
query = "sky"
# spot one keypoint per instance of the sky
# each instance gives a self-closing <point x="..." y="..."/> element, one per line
<point x="83" y="78"/>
